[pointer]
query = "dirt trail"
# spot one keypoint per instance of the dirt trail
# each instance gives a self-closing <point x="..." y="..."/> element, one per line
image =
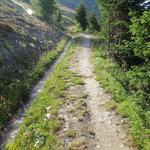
<point x="108" y="128"/>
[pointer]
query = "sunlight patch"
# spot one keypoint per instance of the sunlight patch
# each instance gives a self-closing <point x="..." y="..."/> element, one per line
<point x="29" y="11"/>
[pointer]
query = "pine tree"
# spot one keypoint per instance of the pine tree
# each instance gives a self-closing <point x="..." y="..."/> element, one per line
<point x="81" y="17"/>
<point x="93" y="23"/>
<point x="59" y="16"/>
<point x="116" y="27"/>
<point x="46" y="9"/>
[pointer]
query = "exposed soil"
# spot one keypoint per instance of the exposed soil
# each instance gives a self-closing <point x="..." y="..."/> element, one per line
<point x="87" y="123"/>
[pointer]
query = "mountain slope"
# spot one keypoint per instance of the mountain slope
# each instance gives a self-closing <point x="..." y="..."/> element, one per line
<point x="24" y="40"/>
<point x="73" y="4"/>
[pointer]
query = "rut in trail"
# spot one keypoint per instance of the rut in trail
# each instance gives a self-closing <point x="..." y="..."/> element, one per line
<point x="109" y="131"/>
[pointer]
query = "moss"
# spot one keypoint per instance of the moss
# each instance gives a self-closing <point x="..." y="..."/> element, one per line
<point x="77" y="145"/>
<point x="71" y="133"/>
<point x="111" y="105"/>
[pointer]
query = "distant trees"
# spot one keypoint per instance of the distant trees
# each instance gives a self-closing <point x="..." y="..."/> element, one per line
<point x="93" y="23"/>
<point x="86" y="20"/>
<point x="81" y="17"/>
<point x="46" y="9"/>
<point x="27" y="1"/>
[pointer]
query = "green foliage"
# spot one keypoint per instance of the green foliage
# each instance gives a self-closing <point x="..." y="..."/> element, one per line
<point x="126" y="36"/>
<point x="81" y="17"/>
<point x="27" y="1"/>
<point x="59" y="16"/>
<point x="130" y="89"/>
<point x="93" y="23"/>
<point x="140" y="31"/>
<point x="75" y="29"/>
<point x="116" y="24"/>
<point x="46" y="9"/>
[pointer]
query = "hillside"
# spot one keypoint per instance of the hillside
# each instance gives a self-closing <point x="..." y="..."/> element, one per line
<point x="73" y="4"/>
<point x="21" y="36"/>
<point x="23" y="41"/>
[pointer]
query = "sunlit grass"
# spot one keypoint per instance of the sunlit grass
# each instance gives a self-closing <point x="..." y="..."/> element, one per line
<point x="37" y="131"/>
<point x="114" y="80"/>
<point x="16" y="91"/>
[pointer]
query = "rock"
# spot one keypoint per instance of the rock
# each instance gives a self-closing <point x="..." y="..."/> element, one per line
<point x="122" y="121"/>
<point x="48" y="116"/>
<point x="98" y="147"/>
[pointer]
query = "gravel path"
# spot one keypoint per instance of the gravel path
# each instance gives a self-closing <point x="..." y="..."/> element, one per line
<point x="109" y="131"/>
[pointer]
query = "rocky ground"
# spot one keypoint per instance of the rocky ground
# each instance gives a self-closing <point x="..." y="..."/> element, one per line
<point x="23" y="39"/>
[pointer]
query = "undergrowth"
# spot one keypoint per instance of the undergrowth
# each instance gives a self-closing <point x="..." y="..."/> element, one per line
<point x="37" y="131"/>
<point x="117" y="82"/>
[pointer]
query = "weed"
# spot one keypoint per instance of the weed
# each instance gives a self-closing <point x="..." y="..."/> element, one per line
<point x="77" y="145"/>
<point x="111" y="105"/>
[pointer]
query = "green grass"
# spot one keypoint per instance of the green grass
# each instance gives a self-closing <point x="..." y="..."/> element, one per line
<point x="114" y="80"/>
<point x="37" y="132"/>
<point x="14" y="92"/>
<point x="75" y="29"/>
<point x="47" y="59"/>
<point x="71" y="133"/>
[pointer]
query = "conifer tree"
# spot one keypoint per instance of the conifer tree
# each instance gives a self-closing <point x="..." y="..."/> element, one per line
<point x="59" y="16"/>
<point x="81" y="17"/>
<point x="46" y="9"/>
<point x="93" y="23"/>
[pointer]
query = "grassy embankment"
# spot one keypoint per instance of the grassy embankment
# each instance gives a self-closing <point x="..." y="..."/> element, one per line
<point x="37" y="131"/>
<point x="14" y="92"/>
<point x="114" y="79"/>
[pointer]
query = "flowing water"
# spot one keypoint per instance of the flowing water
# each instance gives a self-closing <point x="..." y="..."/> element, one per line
<point x="12" y="128"/>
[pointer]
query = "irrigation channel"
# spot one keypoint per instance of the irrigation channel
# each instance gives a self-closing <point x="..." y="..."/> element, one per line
<point x="12" y="127"/>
